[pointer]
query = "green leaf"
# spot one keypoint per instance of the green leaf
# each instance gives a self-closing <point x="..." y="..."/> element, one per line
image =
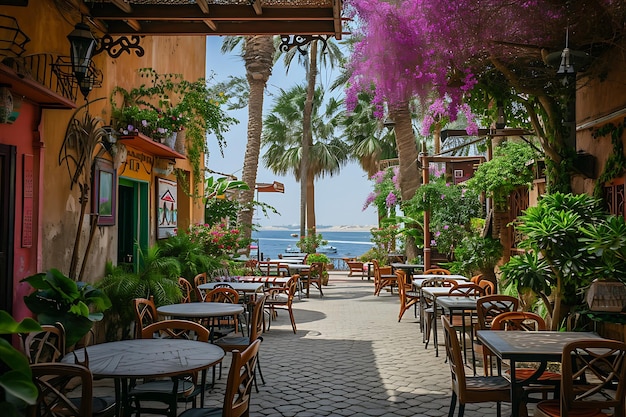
<point x="8" y="325"/>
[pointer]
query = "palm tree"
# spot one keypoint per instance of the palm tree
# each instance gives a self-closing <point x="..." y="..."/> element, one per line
<point x="329" y="55"/>
<point x="258" y="54"/>
<point x="283" y="131"/>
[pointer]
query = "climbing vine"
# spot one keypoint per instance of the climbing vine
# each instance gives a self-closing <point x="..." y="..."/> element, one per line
<point x="616" y="162"/>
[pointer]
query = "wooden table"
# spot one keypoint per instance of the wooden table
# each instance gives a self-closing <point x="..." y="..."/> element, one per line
<point x="244" y="287"/>
<point x="200" y="310"/>
<point x="147" y="358"/>
<point x="264" y="279"/>
<point x="519" y="346"/>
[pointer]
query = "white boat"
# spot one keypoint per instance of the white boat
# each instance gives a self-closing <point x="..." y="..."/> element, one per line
<point x="326" y="249"/>
<point x="294" y="235"/>
<point x="291" y="249"/>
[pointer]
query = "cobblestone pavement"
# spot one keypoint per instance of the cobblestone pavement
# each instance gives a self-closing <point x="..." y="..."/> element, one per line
<point x="350" y="357"/>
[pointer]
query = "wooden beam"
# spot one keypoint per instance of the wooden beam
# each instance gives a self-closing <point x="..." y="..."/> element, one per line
<point x="256" y="5"/>
<point x="122" y="5"/>
<point x="203" y="5"/>
<point x="211" y="24"/>
<point x="134" y="25"/>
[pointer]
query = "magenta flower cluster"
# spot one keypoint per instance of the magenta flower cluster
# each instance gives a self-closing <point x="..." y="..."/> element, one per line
<point x="217" y="240"/>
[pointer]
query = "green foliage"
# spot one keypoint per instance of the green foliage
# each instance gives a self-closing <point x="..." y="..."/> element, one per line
<point x="476" y="254"/>
<point x="616" y="162"/>
<point x="190" y="255"/>
<point x="219" y="240"/>
<point x="317" y="257"/>
<point x="310" y="242"/>
<point x="507" y="171"/>
<point x="607" y="242"/>
<point x="386" y="235"/>
<point x="59" y="299"/>
<point x="168" y="103"/>
<point x="16" y="384"/>
<point x="452" y="208"/>
<point x="375" y="253"/>
<point x="158" y="277"/>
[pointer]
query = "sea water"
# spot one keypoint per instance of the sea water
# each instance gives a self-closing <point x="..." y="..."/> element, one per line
<point x="349" y="244"/>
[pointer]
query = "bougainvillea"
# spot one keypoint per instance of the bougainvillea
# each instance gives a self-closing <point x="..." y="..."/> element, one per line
<point x="218" y="240"/>
<point x="386" y="194"/>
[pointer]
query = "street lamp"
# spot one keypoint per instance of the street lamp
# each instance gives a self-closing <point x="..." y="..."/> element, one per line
<point x="82" y="45"/>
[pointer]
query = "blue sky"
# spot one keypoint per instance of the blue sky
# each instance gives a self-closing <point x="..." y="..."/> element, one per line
<point x="339" y="199"/>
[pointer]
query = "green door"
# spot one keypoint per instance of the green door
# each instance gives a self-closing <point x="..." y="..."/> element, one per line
<point x="133" y="219"/>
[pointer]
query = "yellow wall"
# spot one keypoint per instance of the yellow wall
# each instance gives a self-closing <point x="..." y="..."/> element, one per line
<point x="48" y="29"/>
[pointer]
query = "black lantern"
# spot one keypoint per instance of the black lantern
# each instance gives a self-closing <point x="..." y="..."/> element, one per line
<point x="501" y="120"/>
<point x="82" y="47"/>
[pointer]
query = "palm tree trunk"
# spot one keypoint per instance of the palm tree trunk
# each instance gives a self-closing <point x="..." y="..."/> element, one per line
<point x="410" y="177"/>
<point x="307" y="137"/>
<point x="259" y="60"/>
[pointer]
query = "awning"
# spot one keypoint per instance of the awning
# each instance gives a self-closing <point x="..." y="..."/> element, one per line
<point x="275" y="187"/>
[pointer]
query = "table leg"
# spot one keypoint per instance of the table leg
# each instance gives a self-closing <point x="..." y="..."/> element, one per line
<point x="435" y="341"/>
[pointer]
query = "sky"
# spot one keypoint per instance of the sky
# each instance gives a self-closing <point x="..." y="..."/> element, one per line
<point x="338" y="200"/>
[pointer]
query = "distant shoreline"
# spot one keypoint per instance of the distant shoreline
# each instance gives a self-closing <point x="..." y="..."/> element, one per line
<point x="322" y="229"/>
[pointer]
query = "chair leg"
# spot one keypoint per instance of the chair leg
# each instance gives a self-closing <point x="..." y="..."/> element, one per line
<point x="452" y="404"/>
<point x="462" y="410"/>
<point x="293" y="321"/>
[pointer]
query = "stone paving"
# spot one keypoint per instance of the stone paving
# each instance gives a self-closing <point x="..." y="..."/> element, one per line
<point x="350" y="357"/>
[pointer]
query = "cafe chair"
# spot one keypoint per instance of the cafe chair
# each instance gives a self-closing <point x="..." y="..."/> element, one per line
<point x="281" y="298"/>
<point x="145" y="314"/>
<point x="428" y="307"/>
<point x="355" y="266"/>
<point x="488" y="286"/>
<point x="238" y="387"/>
<point x="169" y="391"/>
<point x="593" y="380"/>
<point x="382" y="277"/>
<point x="314" y="276"/>
<point x="487" y="308"/>
<point x="199" y="280"/>
<point x="408" y="297"/>
<point x="47" y="345"/>
<point x="221" y="326"/>
<point x="467" y="290"/>
<point x="239" y="343"/>
<point x="186" y="288"/>
<point x="55" y="382"/>
<point x="437" y="271"/>
<point x="477" y="278"/>
<point x="471" y="389"/>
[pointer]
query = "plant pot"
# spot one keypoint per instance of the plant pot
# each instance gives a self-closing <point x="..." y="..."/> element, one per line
<point x="180" y="142"/>
<point x="170" y="141"/>
<point x="609" y="296"/>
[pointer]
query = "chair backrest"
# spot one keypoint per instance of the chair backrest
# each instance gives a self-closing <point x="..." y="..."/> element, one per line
<point x="222" y="285"/>
<point x="488" y="286"/>
<point x="600" y="362"/>
<point x="176" y="329"/>
<point x="251" y="266"/>
<point x="222" y="295"/>
<point x="440" y="282"/>
<point x="489" y="306"/>
<point x="199" y="280"/>
<point x="47" y="345"/>
<point x="54" y="381"/>
<point x="317" y="270"/>
<point x="467" y="290"/>
<point x="476" y="278"/>
<point x="436" y="271"/>
<point x="145" y="314"/>
<point x="240" y="381"/>
<point x="186" y="288"/>
<point x="518" y="320"/>
<point x="455" y="358"/>
<point x="256" y="318"/>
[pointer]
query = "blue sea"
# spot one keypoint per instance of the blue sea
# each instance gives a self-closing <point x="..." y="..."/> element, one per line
<point x="349" y="244"/>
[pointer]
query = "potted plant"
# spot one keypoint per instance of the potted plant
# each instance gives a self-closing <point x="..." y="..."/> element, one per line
<point x="477" y="254"/>
<point x="319" y="257"/>
<point x="57" y="298"/>
<point x="169" y="104"/>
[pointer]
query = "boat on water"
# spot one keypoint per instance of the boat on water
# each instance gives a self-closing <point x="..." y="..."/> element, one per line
<point x="294" y="235"/>
<point x="290" y="249"/>
<point x="326" y="249"/>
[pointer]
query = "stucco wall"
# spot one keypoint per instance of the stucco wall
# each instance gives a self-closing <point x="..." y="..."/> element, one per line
<point x="47" y="28"/>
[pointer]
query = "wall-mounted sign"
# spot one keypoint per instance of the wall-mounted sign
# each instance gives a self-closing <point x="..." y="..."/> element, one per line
<point x="138" y="165"/>
<point x="167" y="207"/>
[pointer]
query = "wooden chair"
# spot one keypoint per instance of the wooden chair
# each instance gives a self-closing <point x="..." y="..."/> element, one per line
<point x="476" y="278"/>
<point x="234" y="343"/>
<point x="145" y="314"/>
<point x="172" y="390"/>
<point x="488" y="286"/>
<point x="238" y="387"/>
<point x="314" y="277"/>
<point x="54" y="381"/>
<point x="281" y="298"/>
<point x="487" y="308"/>
<point x="199" y="280"/>
<point x="186" y="288"/>
<point x="47" y="345"/>
<point x="354" y="266"/>
<point x="428" y="308"/>
<point x="436" y="271"/>
<point x="221" y="326"/>
<point x="467" y="389"/>
<point x="382" y="277"/>
<point x="408" y="297"/>
<point x="467" y="290"/>
<point x="599" y="362"/>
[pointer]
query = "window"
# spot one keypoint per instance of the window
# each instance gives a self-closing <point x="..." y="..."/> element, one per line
<point x="104" y="192"/>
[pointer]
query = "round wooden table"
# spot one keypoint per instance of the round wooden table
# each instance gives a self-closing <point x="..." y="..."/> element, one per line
<point x="200" y="310"/>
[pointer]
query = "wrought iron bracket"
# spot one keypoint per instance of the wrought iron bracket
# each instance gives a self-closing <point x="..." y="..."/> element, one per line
<point x="115" y="48"/>
<point x="288" y="42"/>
